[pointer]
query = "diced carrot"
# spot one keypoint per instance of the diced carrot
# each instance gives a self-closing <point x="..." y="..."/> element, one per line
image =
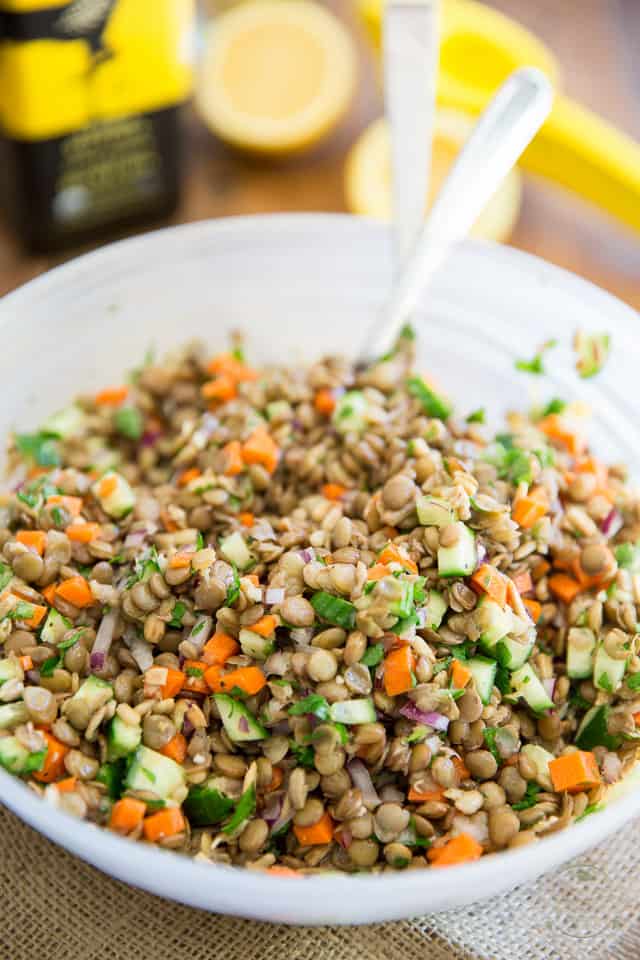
<point x="425" y="796"/>
<point x="488" y="580"/>
<point x="107" y="486"/>
<point x="522" y="582"/>
<point x="226" y="363"/>
<point x="277" y="777"/>
<point x="564" y="587"/>
<point x="33" y="539"/>
<point x="180" y="561"/>
<point x="223" y="388"/>
<point x="391" y="554"/>
<point x="252" y="578"/>
<point x="460" y="849"/>
<point x="38" y="612"/>
<point x="111" y="396"/>
<point x="127" y="815"/>
<point x="265" y="626"/>
<point x="279" y="871"/>
<point x="317" y="834"/>
<point x="188" y="475"/>
<point x="234" y="464"/>
<point x="333" y="491"/>
<point x="173" y="684"/>
<point x="574" y="772"/>
<point x="261" y="448"/>
<point x="587" y="580"/>
<point x="67" y="785"/>
<point x="73" y="505"/>
<point x="460" y="675"/>
<point x="527" y="510"/>
<point x="461" y="769"/>
<point x="250" y="680"/>
<point x="165" y="823"/>
<point x="636" y="717"/>
<point x="246" y="518"/>
<point x="26" y="663"/>
<point x="77" y="591"/>
<point x="53" y="767"/>
<point x="34" y="472"/>
<point x="49" y="593"/>
<point x="83" y="532"/>
<point x="399" y="665"/>
<point x="325" y="401"/>
<point x="219" y="648"/>
<point x="554" y="427"/>
<point x="541" y="569"/>
<point x="168" y="522"/>
<point x="194" y="676"/>
<point x="176" y="749"/>
<point x="378" y="572"/>
<point x="534" y="608"/>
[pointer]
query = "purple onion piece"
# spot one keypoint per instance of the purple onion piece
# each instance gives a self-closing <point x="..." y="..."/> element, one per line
<point x="281" y="728"/>
<point x="187" y="727"/>
<point x="273" y="595"/>
<point x="429" y="717"/>
<point x="282" y="820"/>
<point x="135" y="539"/>
<point x="308" y="554"/>
<point x="344" y="837"/>
<point x="549" y="684"/>
<point x="150" y="437"/>
<point x="96" y="661"/>
<point x="103" y="640"/>
<point x="33" y="676"/>
<point x="273" y="808"/>
<point x="612" y="523"/>
<point x="243" y="724"/>
<point x="361" y="778"/>
<point x="481" y="554"/>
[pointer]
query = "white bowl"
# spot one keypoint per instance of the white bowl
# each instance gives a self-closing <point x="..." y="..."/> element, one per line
<point x="300" y="286"/>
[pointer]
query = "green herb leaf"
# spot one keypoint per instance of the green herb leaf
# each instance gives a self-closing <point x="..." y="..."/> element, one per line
<point x="233" y="590"/>
<point x="71" y="639"/>
<point x="6" y="575"/>
<point x="555" y="405"/>
<point x="21" y="611"/>
<point x="490" y="740"/>
<point x="604" y="682"/>
<point x="304" y="755"/>
<point x="433" y="405"/>
<point x="441" y="665"/>
<point x="592" y="808"/>
<point x="177" y="614"/>
<point x="418" y="734"/>
<point x="35" y="761"/>
<point x="199" y="541"/>
<point x="49" y="665"/>
<point x="478" y="416"/>
<point x="536" y="366"/>
<point x="128" y="422"/>
<point x="633" y="681"/>
<point x="194" y="671"/>
<point x="373" y="655"/>
<point x="530" y="798"/>
<point x="58" y="516"/>
<point x="39" y="447"/>
<point x="335" y="610"/>
<point x="313" y="704"/>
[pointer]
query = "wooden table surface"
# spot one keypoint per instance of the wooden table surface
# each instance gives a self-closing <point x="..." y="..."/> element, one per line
<point x="596" y="42"/>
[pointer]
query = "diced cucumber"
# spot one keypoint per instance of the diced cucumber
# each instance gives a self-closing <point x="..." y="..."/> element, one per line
<point x="594" y="730"/>
<point x="16" y="759"/>
<point x="239" y="722"/>
<point x="592" y="351"/>
<point x="350" y="413"/>
<point x="352" y="712"/>
<point x="526" y="683"/>
<point x="253" y="645"/>
<point x="122" y="739"/>
<point x="10" y="669"/>
<point x="540" y="759"/>
<point x="235" y="550"/>
<point x="581" y="647"/>
<point x="628" y="556"/>
<point x="120" y="500"/>
<point x="434" y="512"/>
<point x="493" y="621"/>
<point x="401" y="605"/>
<point x="6" y="575"/>
<point x="608" y="673"/>
<point x="335" y="610"/>
<point x="65" y="423"/>
<point x="435" y="609"/>
<point x="112" y="775"/>
<point x="483" y="671"/>
<point x="152" y="772"/>
<point x="55" y="627"/>
<point x="13" y="714"/>
<point x="207" y="803"/>
<point x="460" y="559"/>
<point x="278" y="411"/>
<point x="513" y="652"/>
<point x="94" y="692"/>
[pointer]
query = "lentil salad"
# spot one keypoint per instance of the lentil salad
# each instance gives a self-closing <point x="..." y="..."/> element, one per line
<point x="302" y="620"/>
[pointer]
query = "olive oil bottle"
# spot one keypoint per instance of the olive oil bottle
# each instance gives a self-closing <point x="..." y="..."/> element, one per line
<point x="90" y="96"/>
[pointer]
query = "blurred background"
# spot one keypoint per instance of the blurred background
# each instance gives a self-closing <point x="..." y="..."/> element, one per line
<point x="284" y="115"/>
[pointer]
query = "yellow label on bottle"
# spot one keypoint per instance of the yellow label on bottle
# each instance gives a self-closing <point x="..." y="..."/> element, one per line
<point x="90" y="60"/>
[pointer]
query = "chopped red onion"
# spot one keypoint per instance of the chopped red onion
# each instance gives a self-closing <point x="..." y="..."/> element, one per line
<point x="103" y="640"/>
<point x="139" y="648"/>
<point x="262" y="530"/>
<point x="481" y="553"/>
<point x="549" y="684"/>
<point x="429" y="717"/>
<point x="283" y="818"/>
<point x="135" y="539"/>
<point x="200" y="632"/>
<point x="344" y="837"/>
<point x="302" y="635"/>
<point x="612" y="523"/>
<point x="243" y="725"/>
<point x="150" y="437"/>
<point x="361" y="778"/>
<point x="273" y="808"/>
<point x="308" y="554"/>
<point x="187" y="727"/>
<point x="33" y="676"/>
<point x="273" y="595"/>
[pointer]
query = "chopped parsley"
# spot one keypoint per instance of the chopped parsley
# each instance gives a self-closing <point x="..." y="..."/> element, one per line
<point x="490" y="740"/>
<point x="633" y="681"/>
<point x="478" y="416"/>
<point x="592" y="352"/>
<point x="199" y="541"/>
<point x="129" y="423"/>
<point x="555" y="405"/>
<point x="313" y="704"/>
<point x="592" y="808"/>
<point x="536" y="366"/>
<point x="373" y="655"/>
<point x="530" y="798"/>
<point x="194" y="671"/>
<point x="233" y="590"/>
<point x="604" y="682"/>
<point x="432" y="404"/>
<point x="177" y="614"/>
<point x="57" y="516"/>
<point x="49" y="665"/>
<point x="418" y="734"/>
<point x="304" y="755"/>
<point x="71" y="640"/>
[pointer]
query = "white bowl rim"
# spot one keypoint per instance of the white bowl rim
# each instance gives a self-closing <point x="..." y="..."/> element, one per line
<point x="166" y="874"/>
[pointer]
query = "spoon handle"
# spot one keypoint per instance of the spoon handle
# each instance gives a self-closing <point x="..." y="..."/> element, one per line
<point x="410" y="67"/>
<point x="504" y="130"/>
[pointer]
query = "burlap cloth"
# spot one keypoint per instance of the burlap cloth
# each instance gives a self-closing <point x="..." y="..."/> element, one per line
<point x="55" y="907"/>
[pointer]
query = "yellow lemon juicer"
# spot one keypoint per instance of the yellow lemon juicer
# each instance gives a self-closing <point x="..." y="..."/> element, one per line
<point x="575" y="148"/>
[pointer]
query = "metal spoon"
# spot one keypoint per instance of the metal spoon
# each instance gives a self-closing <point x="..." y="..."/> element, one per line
<point x="504" y="130"/>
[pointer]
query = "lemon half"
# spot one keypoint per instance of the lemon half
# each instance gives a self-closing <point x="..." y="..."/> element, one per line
<point x="368" y="176"/>
<point x="276" y="75"/>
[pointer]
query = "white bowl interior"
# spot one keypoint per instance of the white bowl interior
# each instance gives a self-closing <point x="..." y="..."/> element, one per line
<point x="300" y="286"/>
